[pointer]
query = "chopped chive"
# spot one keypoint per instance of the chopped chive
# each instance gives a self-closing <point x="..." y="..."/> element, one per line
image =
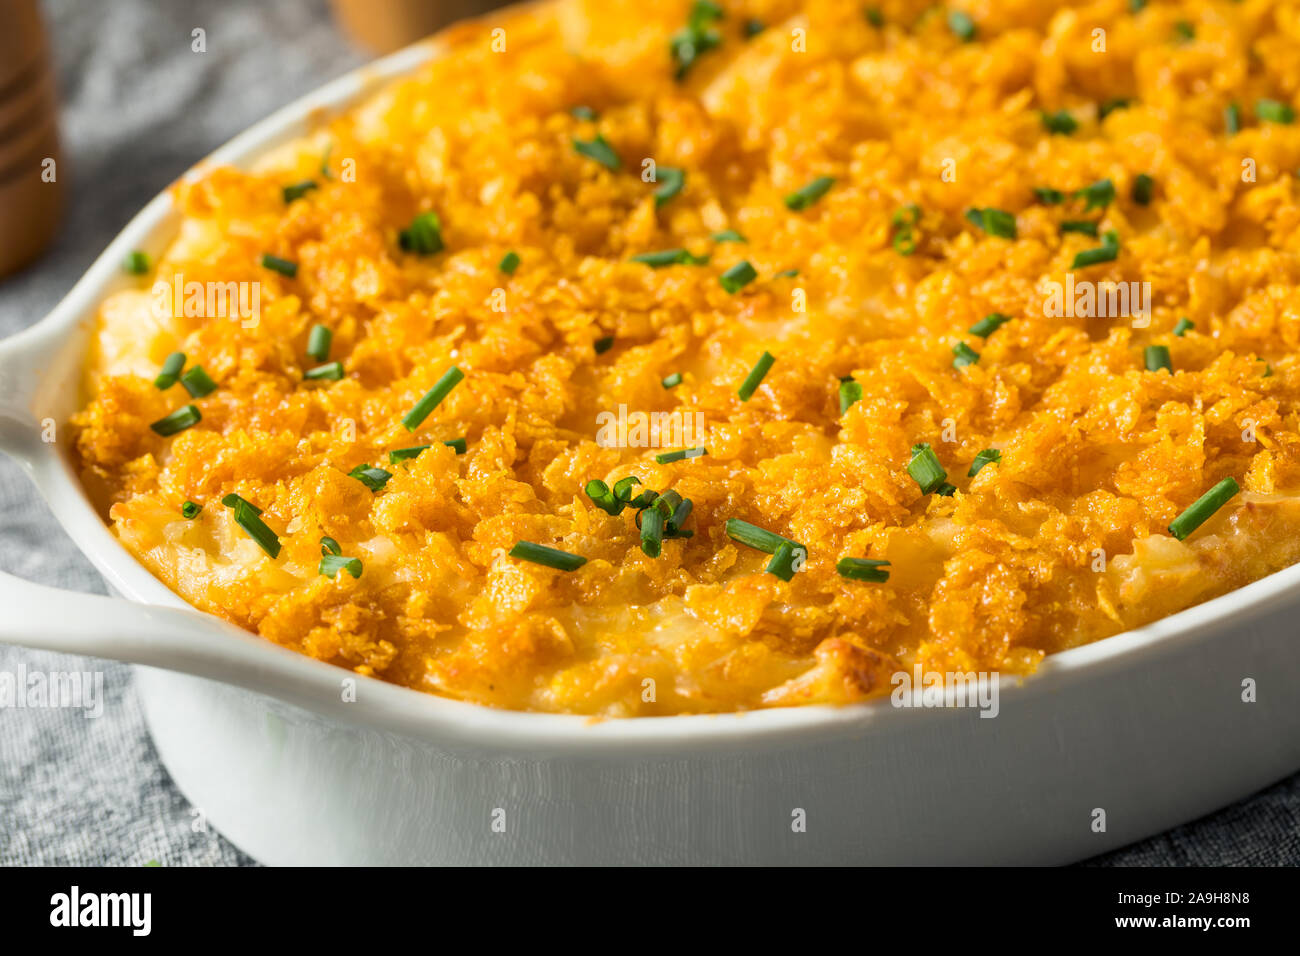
<point x="248" y="517"/>
<point x="1232" y="119"/>
<point x="282" y="266"/>
<point x="754" y="536"/>
<point x="136" y="263"/>
<point x="198" y="382"/>
<point x="550" y="557"/>
<point x="962" y="26"/>
<point x="1137" y="6"/>
<point x="372" y="476"/>
<point x="1049" y="197"/>
<point x="171" y="371"/>
<point x="755" y="376"/>
<point x="728" y="235"/>
<point x="850" y="394"/>
<point x="996" y="222"/>
<point x="329" y="546"/>
<point x="1098" y="195"/>
<point x="786" y="274"/>
<point x="964" y="355"/>
<point x="672" y="381"/>
<point x="804" y="197"/>
<point x="673" y="524"/>
<point x="405" y="454"/>
<point x="925" y="469"/>
<point x="623" y="488"/>
<point x="783" y="559"/>
<point x="190" y="510"/>
<point x="330" y="371"/>
<point x="423" y="236"/>
<point x="983" y="458"/>
<point x="1200" y="511"/>
<point x="989" y="324"/>
<point x="652" y="532"/>
<point x="1108" y="251"/>
<point x="668" y="257"/>
<point x="1060" y="123"/>
<point x="753" y="28"/>
<point x="599" y="150"/>
<point x="1081" y="226"/>
<point x="432" y="398"/>
<point x="1184" y="326"/>
<point x="332" y="564"/>
<point x="1184" y="31"/>
<point x="1110" y="106"/>
<point x="903" y="222"/>
<point x="603" y="497"/>
<point x="325" y="162"/>
<point x="671" y="181"/>
<point x="1274" y="111"/>
<point x="686" y="45"/>
<point x="737" y="277"/>
<point x="603" y="345"/>
<point x="177" y="421"/>
<point x="509" y="263"/>
<point x="298" y="190"/>
<point x="1143" y="188"/>
<point x="1268" y="370"/>
<point x="1157" y="357"/>
<point x="318" y="342"/>
<point x="874" y="17"/>
<point x="668" y="457"/>
<point x="458" y="445"/>
<point x="584" y="113"/>
<point x="863" y="569"/>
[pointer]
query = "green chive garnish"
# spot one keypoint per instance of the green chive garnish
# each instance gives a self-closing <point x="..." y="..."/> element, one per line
<point x="782" y="563"/>
<point x="874" y="17"/>
<point x="668" y="457"/>
<point x="623" y="488"/>
<point x="1205" y="506"/>
<point x="1157" y="357"/>
<point x="332" y="564"/>
<point x="458" y="445"/>
<point x="753" y="28"/>
<point x="754" y="536"/>
<point x="282" y="266"/>
<point x="983" y="458"/>
<point x="786" y="274"/>
<point x="903" y="222"/>
<point x="599" y="150"/>
<point x="1081" y="226"/>
<point x="171" y="371"/>
<point x="373" y="477"/>
<point x="329" y="546"/>
<point x="989" y="324"/>
<point x="668" y="257"/>
<point x="1099" y="195"/>
<point x="1274" y="111"/>
<point x="1232" y="119"/>
<point x="673" y="524"/>
<point x="177" y="421"/>
<point x="424" y="236"/>
<point x="728" y="235"/>
<point x="962" y="26"/>
<point x="755" y="376"/>
<point x="850" y="394"/>
<point x="330" y="371"/>
<point x="925" y="469"/>
<point x="603" y="497"/>
<point x="686" y="45"/>
<point x="1049" y="197"/>
<point x="318" y="342"/>
<point x="1059" y="123"/>
<point x="964" y="355"/>
<point x="1110" y="106"/>
<point x="1108" y="251"/>
<point x="136" y="263"/>
<point x="737" y="277"/>
<point x="671" y="181"/>
<point x="1143" y="188"/>
<point x="863" y="569"/>
<point x="247" y="516"/>
<point x="190" y="510"/>
<point x="996" y="222"/>
<point x="298" y="190"/>
<point x="550" y="557"/>
<point x="584" y="113"/>
<point x="509" y="263"/>
<point x="405" y="454"/>
<point x="802" y="198"/>
<point x="603" y="344"/>
<point x="1184" y="326"/>
<point x="652" y="532"/>
<point x="432" y="398"/>
<point x="197" y="382"/>
<point x="1137" y="6"/>
<point x="1184" y="31"/>
<point x="672" y="381"/>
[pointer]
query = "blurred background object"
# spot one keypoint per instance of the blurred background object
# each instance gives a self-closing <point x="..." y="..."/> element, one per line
<point x="382" y="26"/>
<point x="31" y="191"/>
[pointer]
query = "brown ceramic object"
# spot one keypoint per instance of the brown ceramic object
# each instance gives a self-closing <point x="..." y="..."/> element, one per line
<point x="382" y="26"/>
<point x="30" y="202"/>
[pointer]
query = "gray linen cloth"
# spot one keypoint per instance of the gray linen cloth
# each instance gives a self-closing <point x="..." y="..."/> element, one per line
<point x="138" y="109"/>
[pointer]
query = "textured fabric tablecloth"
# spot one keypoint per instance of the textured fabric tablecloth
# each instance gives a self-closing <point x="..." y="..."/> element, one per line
<point x="139" y="107"/>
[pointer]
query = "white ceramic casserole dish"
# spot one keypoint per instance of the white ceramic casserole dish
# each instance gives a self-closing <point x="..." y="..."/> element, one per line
<point x="1149" y="726"/>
